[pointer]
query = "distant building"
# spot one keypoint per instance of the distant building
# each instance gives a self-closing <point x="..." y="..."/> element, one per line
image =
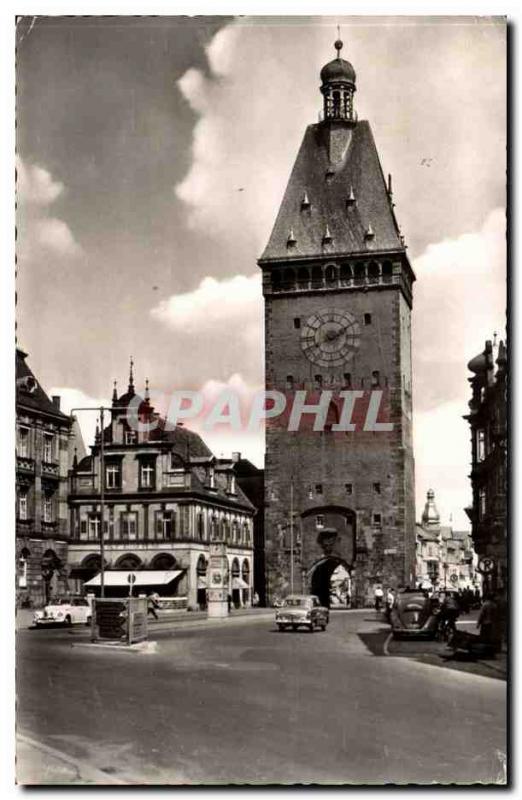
<point x="488" y="424"/>
<point x="45" y="438"/>
<point x="445" y="558"/>
<point x="251" y="479"/>
<point x="166" y="495"/>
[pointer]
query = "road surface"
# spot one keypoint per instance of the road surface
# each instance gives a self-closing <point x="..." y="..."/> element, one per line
<point x="244" y="703"/>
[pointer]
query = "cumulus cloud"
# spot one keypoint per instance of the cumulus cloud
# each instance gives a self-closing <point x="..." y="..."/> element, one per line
<point x="212" y="304"/>
<point x="75" y="398"/>
<point x="459" y="302"/>
<point x="37" y="228"/>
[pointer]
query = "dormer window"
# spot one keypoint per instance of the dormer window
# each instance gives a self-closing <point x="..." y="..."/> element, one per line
<point x="211" y="478"/>
<point x="131" y="437"/>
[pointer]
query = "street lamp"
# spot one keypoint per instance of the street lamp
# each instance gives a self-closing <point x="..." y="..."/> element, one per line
<point x="101" y="410"/>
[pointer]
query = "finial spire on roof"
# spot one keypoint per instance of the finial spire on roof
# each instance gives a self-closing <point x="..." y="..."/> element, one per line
<point x="327" y="236"/>
<point x="114" y="392"/>
<point x="131" y="376"/>
<point x="338" y="44"/>
<point x="147" y="393"/>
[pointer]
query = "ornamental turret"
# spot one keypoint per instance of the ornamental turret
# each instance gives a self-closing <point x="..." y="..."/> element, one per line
<point x="338" y="88"/>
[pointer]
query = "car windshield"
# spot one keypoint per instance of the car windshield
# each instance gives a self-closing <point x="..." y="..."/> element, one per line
<point x="297" y="602"/>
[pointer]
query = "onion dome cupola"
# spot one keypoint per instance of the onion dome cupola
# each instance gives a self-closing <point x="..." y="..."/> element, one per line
<point x="430" y="515"/>
<point x="338" y="88"/>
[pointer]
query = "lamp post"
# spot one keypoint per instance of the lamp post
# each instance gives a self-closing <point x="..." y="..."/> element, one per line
<point x="292" y="536"/>
<point x="101" y="410"/>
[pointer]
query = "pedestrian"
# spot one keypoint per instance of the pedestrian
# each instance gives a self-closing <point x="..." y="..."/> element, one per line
<point x="255" y="600"/>
<point x="153" y="604"/>
<point x="229" y="602"/>
<point x="390" y="598"/>
<point x="448" y="614"/>
<point x="489" y="623"/>
<point x="378" y="596"/>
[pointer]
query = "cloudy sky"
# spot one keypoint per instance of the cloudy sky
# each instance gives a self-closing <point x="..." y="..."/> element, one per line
<point x="153" y="154"/>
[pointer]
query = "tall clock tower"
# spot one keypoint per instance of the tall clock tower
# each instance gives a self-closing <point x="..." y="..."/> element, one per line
<point x="337" y="283"/>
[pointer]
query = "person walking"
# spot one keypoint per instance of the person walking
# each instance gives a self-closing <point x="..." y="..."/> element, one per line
<point x="153" y="604"/>
<point x="378" y="597"/>
<point x="489" y="622"/>
<point x="390" y="598"/>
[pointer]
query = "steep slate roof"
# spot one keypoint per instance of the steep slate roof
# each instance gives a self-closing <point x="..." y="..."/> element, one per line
<point x="185" y="442"/>
<point x="37" y="400"/>
<point x="361" y="170"/>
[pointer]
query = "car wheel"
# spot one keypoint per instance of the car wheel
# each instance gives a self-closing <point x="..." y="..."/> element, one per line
<point x="88" y="621"/>
<point x="323" y="626"/>
<point x="68" y="620"/>
<point x="311" y="627"/>
<point x="281" y="627"/>
<point x="294" y="627"/>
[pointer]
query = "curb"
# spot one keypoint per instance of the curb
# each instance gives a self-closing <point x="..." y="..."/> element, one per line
<point x="86" y="771"/>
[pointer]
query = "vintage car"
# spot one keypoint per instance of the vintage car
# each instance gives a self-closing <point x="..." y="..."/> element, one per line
<point x="301" y="610"/>
<point x="67" y="611"/>
<point x="414" y="615"/>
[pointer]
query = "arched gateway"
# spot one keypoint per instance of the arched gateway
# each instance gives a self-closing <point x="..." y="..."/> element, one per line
<point x="328" y="542"/>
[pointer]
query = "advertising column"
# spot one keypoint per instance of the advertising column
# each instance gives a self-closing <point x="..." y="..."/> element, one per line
<point x="218" y="576"/>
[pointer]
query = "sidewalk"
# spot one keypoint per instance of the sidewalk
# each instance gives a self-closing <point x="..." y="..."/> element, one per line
<point x="37" y="765"/>
<point x="24" y="617"/>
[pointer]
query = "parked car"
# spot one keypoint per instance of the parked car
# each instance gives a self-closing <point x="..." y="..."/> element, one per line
<point x="66" y="611"/>
<point x="301" y="610"/>
<point x="414" y="614"/>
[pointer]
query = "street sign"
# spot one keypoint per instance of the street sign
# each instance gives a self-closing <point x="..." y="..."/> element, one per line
<point x="454" y="578"/>
<point x="486" y="565"/>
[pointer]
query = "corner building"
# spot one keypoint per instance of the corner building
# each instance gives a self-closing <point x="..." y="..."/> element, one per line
<point x="337" y="285"/>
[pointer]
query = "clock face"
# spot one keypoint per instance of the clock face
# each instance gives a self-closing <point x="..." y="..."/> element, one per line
<point x="330" y="337"/>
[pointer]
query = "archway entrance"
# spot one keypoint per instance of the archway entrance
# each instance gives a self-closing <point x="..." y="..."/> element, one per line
<point x="330" y="581"/>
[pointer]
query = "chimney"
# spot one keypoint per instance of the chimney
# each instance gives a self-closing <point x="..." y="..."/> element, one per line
<point x="56" y="401"/>
<point x="236" y="457"/>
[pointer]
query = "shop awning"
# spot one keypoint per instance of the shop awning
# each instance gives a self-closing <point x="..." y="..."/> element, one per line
<point x="151" y="577"/>
<point x="239" y="583"/>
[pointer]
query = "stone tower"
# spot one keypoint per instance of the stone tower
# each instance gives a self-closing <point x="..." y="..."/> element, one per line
<point x="337" y="285"/>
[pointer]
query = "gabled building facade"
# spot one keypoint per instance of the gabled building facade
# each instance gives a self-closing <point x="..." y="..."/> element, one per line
<point x="489" y="437"/>
<point x="445" y="557"/>
<point x="43" y="446"/>
<point x="166" y="495"/>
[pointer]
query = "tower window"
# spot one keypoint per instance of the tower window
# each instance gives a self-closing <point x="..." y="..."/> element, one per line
<point x="377" y="488"/>
<point x="349" y="488"/>
<point x="376" y="520"/>
<point x="297" y="322"/>
<point x="319" y="380"/>
<point x="367" y="319"/>
<point x="318" y="488"/>
<point x="348" y="378"/>
<point x="289" y="381"/>
<point x="319" y="521"/>
<point x="376" y="378"/>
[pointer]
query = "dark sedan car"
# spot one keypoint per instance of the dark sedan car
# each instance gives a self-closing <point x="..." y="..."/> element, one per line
<point x="414" y="615"/>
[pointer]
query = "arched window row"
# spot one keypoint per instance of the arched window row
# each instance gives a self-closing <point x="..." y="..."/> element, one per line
<point x="331" y="275"/>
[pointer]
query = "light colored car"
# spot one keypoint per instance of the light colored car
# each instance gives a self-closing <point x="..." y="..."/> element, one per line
<point x="302" y="610"/>
<point x="68" y="611"/>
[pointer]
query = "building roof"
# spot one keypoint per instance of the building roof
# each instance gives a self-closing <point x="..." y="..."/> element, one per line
<point x="338" y="70"/>
<point x="185" y="442"/>
<point x="359" y="170"/>
<point x="29" y="392"/>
